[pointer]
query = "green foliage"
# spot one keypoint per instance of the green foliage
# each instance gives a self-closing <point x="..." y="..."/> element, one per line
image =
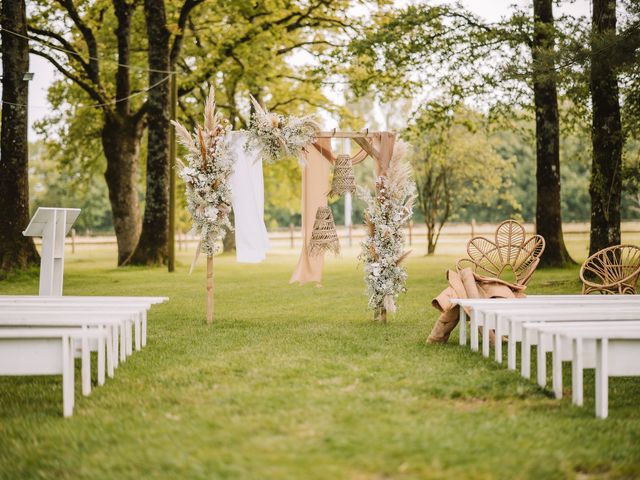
<point x="456" y="168"/>
<point x="55" y="186"/>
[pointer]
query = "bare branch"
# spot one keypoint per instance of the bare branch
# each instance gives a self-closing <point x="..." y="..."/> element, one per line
<point x="89" y="38"/>
<point x="93" y="93"/>
<point x="185" y="11"/>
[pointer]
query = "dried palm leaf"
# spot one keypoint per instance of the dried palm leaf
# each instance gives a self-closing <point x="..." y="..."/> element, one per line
<point x="389" y="303"/>
<point x="257" y="106"/>
<point x="210" y="116"/>
<point x="184" y="137"/>
<point x="203" y="149"/>
<point x="402" y="257"/>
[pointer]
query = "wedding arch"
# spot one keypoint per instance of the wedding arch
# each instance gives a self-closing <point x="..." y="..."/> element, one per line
<point x="209" y="167"/>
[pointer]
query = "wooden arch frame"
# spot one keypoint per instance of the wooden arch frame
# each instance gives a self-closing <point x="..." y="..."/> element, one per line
<point x="367" y="149"/>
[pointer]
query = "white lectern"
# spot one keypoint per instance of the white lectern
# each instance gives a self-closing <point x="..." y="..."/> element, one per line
<point x="52" y="224"/>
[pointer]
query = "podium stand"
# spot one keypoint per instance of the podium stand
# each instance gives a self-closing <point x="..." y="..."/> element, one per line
<point x="52" y="224"/>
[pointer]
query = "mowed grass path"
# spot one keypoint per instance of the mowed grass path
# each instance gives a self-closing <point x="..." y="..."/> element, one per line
<point x="297" y="382"/>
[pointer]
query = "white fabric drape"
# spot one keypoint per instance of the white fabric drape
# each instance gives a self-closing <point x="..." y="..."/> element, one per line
<point x="247" y="187"/>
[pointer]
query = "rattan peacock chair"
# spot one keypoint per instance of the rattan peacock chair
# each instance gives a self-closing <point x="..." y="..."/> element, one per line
<point x="511" y="251"/>
<point x="614" y="270"/>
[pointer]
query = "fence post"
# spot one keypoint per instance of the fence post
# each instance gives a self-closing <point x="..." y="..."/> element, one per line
<point x="73" y="240"/>
<point x="473" y="227"/>
<point x="291" y="235"/>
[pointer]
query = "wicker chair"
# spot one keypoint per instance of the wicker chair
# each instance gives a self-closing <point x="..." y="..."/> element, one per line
<point x="614" y="270"/>
<point x="511" y="250"/>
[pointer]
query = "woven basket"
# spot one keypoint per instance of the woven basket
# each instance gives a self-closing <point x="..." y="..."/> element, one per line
<point x="343" y="178"/>
<point x="324" y="236"/>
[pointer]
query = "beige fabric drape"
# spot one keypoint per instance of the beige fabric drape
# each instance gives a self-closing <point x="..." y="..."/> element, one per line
<point x="315" y="186"/>
<point x="466" y="284"/>
<point x="383" y="142"/>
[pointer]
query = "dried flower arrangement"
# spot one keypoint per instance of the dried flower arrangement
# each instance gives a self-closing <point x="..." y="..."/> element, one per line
<point x="206" y="174"/>
<point x="383" y="248"/>
<point x="279" y="136"/>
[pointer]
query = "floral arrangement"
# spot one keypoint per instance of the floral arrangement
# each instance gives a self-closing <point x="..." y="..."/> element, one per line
<point x="279" y="136"/>
<point x="383" y="248"/>
<point x="209" y="164"/>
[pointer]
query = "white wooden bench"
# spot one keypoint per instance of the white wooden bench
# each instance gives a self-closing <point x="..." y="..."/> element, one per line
<point x="46" y="351"/>
<point x="135" y="312"/>
<point x="543" y="334"/>
<point x="111" y="322"/>
<point x="476" y="304"/>
<point x="612" y="349"/>
<point x="144" y="302"/>
<point x="119" y="323"/>
<point x="508" y="321"/>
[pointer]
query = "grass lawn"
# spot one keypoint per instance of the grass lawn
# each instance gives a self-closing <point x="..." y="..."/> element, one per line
<point x="297" y="382"/>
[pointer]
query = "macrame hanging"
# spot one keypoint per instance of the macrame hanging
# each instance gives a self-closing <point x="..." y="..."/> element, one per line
<point x="324" y="236"/>
<point x="343" y="178"/>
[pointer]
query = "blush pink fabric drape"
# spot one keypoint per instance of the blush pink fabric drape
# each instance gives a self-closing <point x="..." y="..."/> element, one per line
<point x="315" y="186"/>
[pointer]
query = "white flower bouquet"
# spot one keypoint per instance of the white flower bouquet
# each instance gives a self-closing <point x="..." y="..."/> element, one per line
<point x="206" y="174"/>
<point x="278" y="136"/>
<point x="383" y="248"/>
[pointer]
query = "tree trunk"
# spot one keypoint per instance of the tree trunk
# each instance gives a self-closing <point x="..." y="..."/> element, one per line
<point x="431" y="245"/>
<point x="121" y="143"/>
<point x="548" y="203"/>
<point x="16" y="250"/>
<point x="152" y="248"/>
<point x="229" y="240"/>
<point x="606" y="133"/>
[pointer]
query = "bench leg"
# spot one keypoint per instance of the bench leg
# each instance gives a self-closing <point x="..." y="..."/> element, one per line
<point x="137" y="331"/>
<point x="602" y="378"/>
<point x="123" y="341"/>
<point x="101" y="359"/>
<point x="541" y="362"/>
<point x="473" y="331"/>
<point x="67" y="376"/>
<point x="511" y="346"/>
<point x="485" y="338"/>
<point x="130" y="327"/>
<point x="114" y="338"/>
<point x="498" y="345"/>
<point x="462" y="326"/>
<point x="557" y="366"/>
<point x="86" y="366"/>
<point x="525" y="348"/>
<point x="576" y="372"/>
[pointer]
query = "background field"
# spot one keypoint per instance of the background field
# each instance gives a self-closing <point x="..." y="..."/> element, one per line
<point x="297" y="382"/>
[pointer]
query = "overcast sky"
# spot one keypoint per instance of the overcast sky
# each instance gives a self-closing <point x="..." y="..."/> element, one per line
<point x="491" y="10"/>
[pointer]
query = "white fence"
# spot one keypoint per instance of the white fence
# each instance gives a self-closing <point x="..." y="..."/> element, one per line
<point x="290" y="238"/>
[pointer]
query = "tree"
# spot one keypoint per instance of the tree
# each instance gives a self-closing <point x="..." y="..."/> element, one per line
<point x="447" y="48"/>
<point x="53" y="183"/>
<point x="110" y="89"/>
<point x="455" y="167"/>
<point x="606" y="132"/>
<point x="545" y="97"/>
<point x="152" y="247"/>
<point x="240" y="47"/>
<point x="16" y="250"/>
